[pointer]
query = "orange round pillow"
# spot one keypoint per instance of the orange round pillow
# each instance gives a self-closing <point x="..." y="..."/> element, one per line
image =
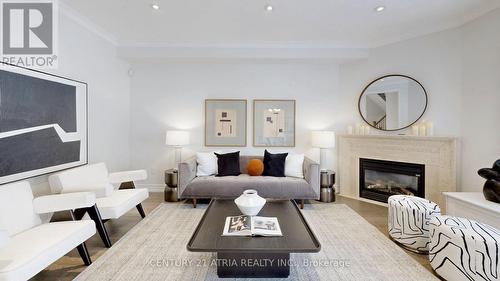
<point x="255" y="167"/>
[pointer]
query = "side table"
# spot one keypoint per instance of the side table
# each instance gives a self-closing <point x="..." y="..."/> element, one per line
<point x="171" y="180"/>
<point x="327" y="180"/>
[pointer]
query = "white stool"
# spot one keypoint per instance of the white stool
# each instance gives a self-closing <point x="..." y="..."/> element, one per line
<point x="408" y="221"/>
<point x="463" y="249"/>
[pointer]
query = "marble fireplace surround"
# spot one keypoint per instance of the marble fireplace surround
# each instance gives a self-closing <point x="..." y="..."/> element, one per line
<point x="438" y="154"/>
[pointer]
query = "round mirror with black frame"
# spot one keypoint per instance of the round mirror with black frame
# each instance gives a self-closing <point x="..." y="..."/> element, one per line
<point x="392" y="102"/>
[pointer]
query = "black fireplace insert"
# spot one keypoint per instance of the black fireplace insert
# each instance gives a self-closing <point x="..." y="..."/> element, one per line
<point x="379" y="179"/>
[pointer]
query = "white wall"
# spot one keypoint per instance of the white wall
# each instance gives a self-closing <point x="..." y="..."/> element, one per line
<point x="170" y="95"/>
<point x="435" y="60"/>
<point x="458" y="67"/>
<point x="87" y="57"/>
<point x="480" y="116"/>
<point x="417" y="101"/>
<point x="392" y="109"/>
<point x="460" y="70"/>
<point x="373" y="107"/>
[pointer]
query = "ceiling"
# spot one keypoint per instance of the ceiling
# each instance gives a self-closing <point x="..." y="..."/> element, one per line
<point x="330" y="23"/>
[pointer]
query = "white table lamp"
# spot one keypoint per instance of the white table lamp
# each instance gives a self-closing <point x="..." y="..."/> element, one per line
<point x="323" y="140"/>
<point x="177" y="139"/>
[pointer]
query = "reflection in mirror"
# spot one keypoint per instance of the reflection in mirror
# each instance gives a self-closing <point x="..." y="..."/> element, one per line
<point x="393" y="102"/>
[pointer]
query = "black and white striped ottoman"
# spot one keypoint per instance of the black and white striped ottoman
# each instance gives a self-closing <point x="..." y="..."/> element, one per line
<point x="408" y="221"/>
<point x="463" y="249"/>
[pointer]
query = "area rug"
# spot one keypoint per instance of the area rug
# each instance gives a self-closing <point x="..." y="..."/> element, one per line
<point x="351" y="249"/>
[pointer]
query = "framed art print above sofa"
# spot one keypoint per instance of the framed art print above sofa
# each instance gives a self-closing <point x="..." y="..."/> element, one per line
<point x="225" y="122"/>
<point x="43" y="123"/>
<point x="274" y="123"/>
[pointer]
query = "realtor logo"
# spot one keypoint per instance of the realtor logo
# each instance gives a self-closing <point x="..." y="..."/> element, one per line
<point x="29" y="33"/>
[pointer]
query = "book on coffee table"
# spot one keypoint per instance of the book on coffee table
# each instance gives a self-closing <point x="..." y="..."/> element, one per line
<point x="251" y="226"/>
<point x="297" y="237"/>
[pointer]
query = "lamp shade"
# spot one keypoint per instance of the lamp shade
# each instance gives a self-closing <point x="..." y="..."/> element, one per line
<point x="323" y="139"/>
<point x="177" y="138"/>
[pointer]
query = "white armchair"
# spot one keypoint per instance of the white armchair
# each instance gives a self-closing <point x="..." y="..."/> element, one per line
<point x="27" y="245"/>
<point x="112" y="202"/>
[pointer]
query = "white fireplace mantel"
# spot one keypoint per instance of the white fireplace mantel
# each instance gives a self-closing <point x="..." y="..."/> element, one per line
<point x="438" y="154"/>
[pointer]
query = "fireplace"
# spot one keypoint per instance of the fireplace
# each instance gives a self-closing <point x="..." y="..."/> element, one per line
<point x="379" y="179"/>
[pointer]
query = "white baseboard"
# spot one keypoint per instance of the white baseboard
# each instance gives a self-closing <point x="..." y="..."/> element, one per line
<point x="152" y="187"/>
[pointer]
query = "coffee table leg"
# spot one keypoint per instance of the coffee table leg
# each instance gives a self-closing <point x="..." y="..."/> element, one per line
<point x="276" y="265"/>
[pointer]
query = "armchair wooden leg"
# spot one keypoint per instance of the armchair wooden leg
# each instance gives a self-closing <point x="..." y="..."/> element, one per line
<point x="78" y="214"/>
<point x="194" y="202"/>
<point x="302" y="203"/>
<point x="96" y="217"/>
<point x="141" y="210"/>
<point x="84" y="253"/>
<point x="99" y="223"/>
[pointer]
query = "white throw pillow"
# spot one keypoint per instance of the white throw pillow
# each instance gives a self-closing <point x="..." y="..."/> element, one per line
<point x="207" y="164"/>
<point x="294" y="165"/>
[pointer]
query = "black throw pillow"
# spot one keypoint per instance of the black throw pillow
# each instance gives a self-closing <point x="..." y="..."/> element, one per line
<point x="274" y="164"/>
<point x="228" y="164"/>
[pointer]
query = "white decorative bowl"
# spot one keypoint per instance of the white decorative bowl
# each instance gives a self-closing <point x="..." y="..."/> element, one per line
<point x="250" y="203"/>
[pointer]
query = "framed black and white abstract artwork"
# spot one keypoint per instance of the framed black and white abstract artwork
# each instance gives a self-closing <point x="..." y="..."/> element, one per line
<point x="274" y="123"/>
<point x="225" y="122"/>
<point x="43" y="123"/>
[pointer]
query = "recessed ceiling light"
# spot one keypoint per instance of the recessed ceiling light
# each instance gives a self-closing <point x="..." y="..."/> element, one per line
<point x="380" y="8"/>
<point x="269" y="8"/>
<point x="155" y="6"/>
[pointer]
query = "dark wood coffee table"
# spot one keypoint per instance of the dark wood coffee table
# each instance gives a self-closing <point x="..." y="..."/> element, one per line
<point x="253" y="256"/>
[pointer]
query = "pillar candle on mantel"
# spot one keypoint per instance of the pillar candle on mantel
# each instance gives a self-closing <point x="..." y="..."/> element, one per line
<point x="421" y="131"/>
<point x="430" y="129"/>
<point x="367" y="130"/>
<point x="358" y="129"/>
<point x="349" y="130"/>
<point x="414" y="130"/>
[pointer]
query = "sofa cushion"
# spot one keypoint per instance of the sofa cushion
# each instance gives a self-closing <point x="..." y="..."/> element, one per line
<point x="228" y="164"/>
<point x="207" y="164"/>
<point x="120" y="202"/>
<point x="84" y="178"/>
<point x="233" y="186"/>
<point x="16" y="208"/>
<point x="255" y="167"/>
<point x="244" y="159"/>
<point x="30" y="251"/>
<point x="274" y="164"/>
<point x="294" y="165"/>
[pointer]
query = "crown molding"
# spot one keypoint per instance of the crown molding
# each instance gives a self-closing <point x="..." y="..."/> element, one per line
<point x="328" y="44"/>
<point x="488" y="8"/>
<point x="266" y="51"/>
<point x="86" y="23"/>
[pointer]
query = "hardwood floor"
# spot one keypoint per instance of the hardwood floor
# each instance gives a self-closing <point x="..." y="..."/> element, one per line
<point x="377" y="216"/>
<point x="69" y="266"/>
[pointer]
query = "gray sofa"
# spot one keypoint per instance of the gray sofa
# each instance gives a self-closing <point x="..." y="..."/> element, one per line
<point x="193" y="187"/>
